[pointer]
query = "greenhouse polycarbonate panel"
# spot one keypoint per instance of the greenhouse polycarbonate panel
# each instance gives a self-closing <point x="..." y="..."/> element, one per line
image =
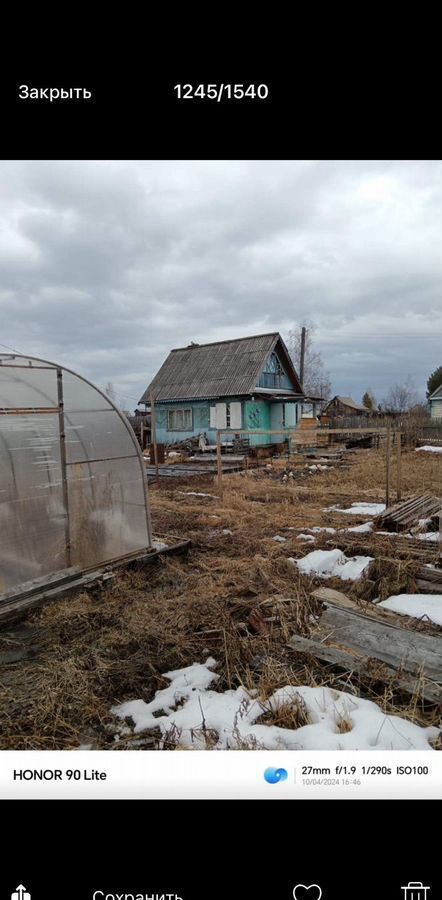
<point x="27" y="387"/>
<point x="72" y="481"/>
<point x="96" y="435"/>
<point x="107" y="511"/>
<point x="32" y="512"/>
<point x="78" y="395"/>
<point x="30" y="455"/>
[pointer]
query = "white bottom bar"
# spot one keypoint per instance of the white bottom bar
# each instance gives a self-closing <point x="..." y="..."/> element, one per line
<point x="220" y="775"/>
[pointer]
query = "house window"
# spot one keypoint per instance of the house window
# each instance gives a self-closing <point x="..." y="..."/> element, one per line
<point x="274" y="373"/>
<point x="227" y="415"/>
<point x="283" y="415"/>
<point x="179" y="420"/>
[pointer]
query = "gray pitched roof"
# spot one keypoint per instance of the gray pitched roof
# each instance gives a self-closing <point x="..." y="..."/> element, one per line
<point x="437" y="394"/>
<point x="222" y="369"/>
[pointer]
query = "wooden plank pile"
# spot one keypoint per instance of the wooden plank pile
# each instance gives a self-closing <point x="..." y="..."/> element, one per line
<point x="403" y="516"/>
<point x="429" y="580"/>
<point x="361" y="644"/>
<point x="389" y="544"/>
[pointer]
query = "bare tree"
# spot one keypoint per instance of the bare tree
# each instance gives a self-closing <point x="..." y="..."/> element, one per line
<point x="401" y="397"/>
<point x="316" y="378"/>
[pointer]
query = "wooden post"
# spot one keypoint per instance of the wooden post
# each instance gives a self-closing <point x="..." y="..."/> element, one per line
<point x="219" y="465"/>
<point x="388" y="466"/>
<point x="399" y="466"/>
<point x="142" y="435"/>
<point x="154" y="434"/>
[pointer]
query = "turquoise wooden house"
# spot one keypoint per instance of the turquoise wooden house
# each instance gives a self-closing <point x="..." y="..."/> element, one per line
<point x="435" y="401"/>
<point x="245" y="384"/>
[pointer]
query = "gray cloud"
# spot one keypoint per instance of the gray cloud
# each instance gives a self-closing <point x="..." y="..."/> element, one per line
<point x="106" y="265"/>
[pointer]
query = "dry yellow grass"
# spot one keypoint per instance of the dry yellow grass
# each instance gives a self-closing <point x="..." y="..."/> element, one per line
<point x="236" y="597"/>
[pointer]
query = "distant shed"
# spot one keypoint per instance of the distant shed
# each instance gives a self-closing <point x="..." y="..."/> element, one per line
<point x="340" y="407"/>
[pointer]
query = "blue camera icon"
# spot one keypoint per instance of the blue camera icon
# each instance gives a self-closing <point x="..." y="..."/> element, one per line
<point x="273" y="776"/>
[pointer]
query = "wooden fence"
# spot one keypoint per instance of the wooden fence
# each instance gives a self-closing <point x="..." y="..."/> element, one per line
<point x="387" y="432"/>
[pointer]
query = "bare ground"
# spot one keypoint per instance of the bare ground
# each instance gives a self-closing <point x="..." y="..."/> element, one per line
<point x="235" y="597"/>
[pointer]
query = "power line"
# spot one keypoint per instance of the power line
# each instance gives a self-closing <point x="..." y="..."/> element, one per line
<point x="379" y="334"/>
<point x="12" y="348"/>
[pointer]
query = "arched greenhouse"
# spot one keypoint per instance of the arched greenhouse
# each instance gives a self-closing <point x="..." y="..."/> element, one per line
<point x="73" y="490"/>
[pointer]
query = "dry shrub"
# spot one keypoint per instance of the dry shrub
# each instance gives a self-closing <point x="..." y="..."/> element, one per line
<point x="387" y="576"/>
<point x="288" y="715"/>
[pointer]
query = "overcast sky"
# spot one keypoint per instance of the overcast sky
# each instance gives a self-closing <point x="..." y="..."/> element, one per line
<point x="107" y="265"/>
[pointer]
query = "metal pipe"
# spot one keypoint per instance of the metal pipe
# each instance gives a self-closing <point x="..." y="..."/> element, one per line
<point x="64" y="479"/>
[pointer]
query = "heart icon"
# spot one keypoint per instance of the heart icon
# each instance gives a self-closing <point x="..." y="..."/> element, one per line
<point x="307" y="892"/>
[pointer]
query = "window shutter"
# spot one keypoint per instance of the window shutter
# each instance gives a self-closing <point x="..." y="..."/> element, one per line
<point x="213" y="416"/>
<point x="235" y="415"/>
<point x="221" y="417"/>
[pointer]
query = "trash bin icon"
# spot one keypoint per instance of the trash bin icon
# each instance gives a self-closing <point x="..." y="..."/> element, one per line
<point x="415" y="890"/>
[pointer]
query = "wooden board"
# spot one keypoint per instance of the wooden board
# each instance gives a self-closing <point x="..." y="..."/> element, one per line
<point x="14" y="607"/>
<point x="351" y="662"/>
<point x="334" y="598"/>
<point x="330" y="597"/>
<point x="40" y="584"/>
<point x="429" y="580"/>
<point x="395" y="646"/>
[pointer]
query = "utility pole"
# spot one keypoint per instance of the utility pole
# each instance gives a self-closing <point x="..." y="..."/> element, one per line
<point x="154" y="433"/>
<point x="301" y="363"/>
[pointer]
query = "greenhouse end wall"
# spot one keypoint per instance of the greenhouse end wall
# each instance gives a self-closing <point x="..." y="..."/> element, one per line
<point x="73" y="490"/>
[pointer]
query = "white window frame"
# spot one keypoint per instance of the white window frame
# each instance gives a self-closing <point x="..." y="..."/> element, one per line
<point x="173" y="413"/>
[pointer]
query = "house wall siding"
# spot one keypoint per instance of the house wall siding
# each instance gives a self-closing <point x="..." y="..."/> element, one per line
<point x="436" y="409"/>
<point x="200" y="420"/>
<point x="255" y="416"/>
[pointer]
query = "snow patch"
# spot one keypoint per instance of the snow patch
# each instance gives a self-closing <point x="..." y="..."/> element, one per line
<point x="416" y="605"/>
<point x="361" y="529"/>
<point x="337" y="720"/>
<point x="317" y="528"/>
<point x="361" y="509"/>
<point x="429" y="449"/>
<point x="197" y="494"/>
<point x="332" y="563"/>
<point x="279" y="538"/>
<point x="159" y="545"/>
